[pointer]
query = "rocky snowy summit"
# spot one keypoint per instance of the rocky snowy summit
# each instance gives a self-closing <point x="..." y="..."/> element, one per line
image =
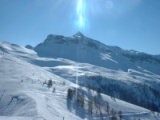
<point x="83" y="49"/>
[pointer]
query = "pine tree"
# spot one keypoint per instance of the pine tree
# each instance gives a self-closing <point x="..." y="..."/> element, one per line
<point x="120" y="115"/>
<point x="113" y="115"/>
<point x="50" y="83"/>
<point x="95" y="102"/>
<point x="54" y="89"/>
<point x="90" y="106"/>
<point x="107" y="107"/>
<point x="82" y="100"/>
<point x="99" y="92"/>
<point x="70" y="94"/>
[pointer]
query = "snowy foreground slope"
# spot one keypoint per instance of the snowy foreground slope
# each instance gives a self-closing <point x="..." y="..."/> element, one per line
<point x="23" y="96"/>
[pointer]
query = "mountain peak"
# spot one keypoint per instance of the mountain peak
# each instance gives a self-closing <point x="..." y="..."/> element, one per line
<point x="78" y="34"/>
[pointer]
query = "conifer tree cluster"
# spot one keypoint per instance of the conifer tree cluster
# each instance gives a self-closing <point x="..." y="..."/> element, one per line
<point x="94" y="105"/>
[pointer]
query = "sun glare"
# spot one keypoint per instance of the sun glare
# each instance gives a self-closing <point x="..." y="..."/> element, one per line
<point x="81" y="17"/>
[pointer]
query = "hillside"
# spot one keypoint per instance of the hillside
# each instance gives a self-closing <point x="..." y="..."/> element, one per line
<point x="121" y="71"/>
<point x="23" y="72"/>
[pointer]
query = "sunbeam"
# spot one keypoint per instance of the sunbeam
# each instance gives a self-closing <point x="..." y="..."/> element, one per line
<point x="81" y="14"/>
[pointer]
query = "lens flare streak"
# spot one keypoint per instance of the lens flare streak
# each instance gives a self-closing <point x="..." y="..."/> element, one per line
<point x="80" y="22"/>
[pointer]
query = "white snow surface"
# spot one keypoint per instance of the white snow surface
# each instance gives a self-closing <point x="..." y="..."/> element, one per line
<point x="24" y="97"/>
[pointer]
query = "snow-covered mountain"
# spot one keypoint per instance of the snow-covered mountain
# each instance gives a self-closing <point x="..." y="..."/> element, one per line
<point x="128" y="81"/>
<point x="85" y="50"/>
<point x="140" y="69"/>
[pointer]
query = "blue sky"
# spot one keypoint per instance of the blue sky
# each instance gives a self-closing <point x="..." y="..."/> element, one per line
<point x="129" y="24"/>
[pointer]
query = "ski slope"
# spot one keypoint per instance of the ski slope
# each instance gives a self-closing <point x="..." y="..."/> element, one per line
<point x="23" y="96"/>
